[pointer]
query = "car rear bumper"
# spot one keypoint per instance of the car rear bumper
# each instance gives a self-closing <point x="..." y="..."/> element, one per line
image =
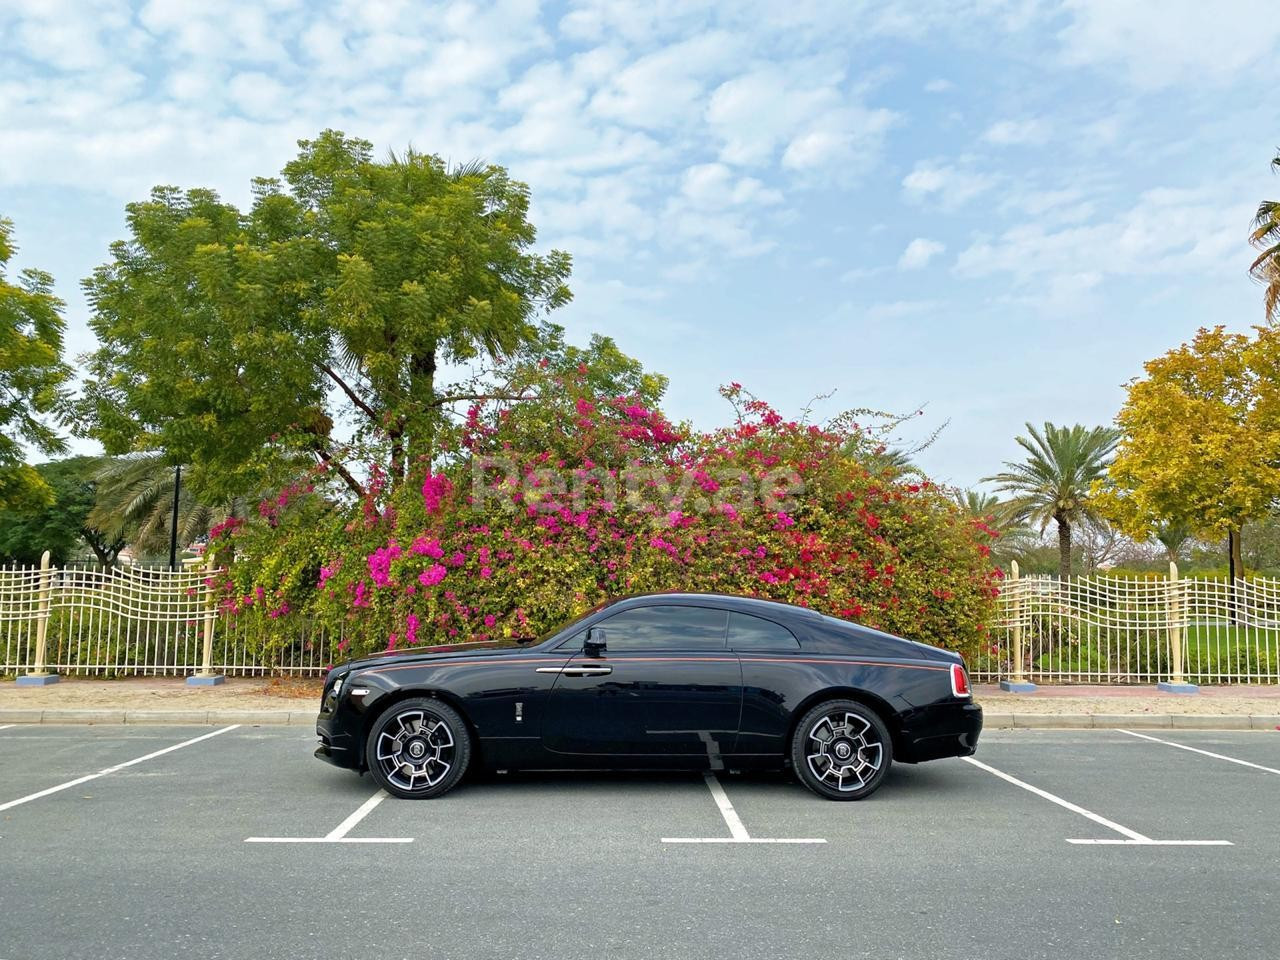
<point x="941" y="730"/>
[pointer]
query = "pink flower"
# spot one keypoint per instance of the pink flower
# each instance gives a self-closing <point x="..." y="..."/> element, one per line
<point x="432" y="575"/>
<point x="380" y="563"/>
<point x="424" y="547"/>
<point x="486" y="573"/>
<point x="434" y="489"/>
<point x="490" y="620"/>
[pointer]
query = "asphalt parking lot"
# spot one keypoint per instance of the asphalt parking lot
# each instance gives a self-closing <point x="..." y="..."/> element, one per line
<point x="235" y="843"/>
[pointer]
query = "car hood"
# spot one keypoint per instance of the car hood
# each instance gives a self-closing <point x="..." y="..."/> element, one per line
<point x="448" y="651"/>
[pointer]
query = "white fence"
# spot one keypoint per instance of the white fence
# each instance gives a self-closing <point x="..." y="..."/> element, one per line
<point x="1102" y="629"/>
<point x="137" y="620"/>
<point x="1093" y="629"/>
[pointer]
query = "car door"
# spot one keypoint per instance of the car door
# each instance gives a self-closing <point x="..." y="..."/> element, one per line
<point x="665" y="685"/>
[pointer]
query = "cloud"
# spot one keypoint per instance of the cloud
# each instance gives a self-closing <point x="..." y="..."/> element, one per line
<point x="939" y="85"/>
<point x="1016" y="132"/>
<point x="1167" y="231"/>
<point x="799" y="115"/>
<point x="1180" y="40"/>
<point x="901" y="309"/>
<point x="949" y="185"/>
<point x="919" y="252"/>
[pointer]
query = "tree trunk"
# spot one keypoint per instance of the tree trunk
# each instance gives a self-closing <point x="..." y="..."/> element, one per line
<point x="1235" y="568"/>
<point x="1064" y="550"/>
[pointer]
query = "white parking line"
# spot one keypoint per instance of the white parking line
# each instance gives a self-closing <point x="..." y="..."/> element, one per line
<point x="119" y="766"/>
<point x="737" y="832"/>
<point x="1207" y="753"/>
<point x="1134" y="838"/>
<point x="5" y="726"/>
<point x="339" y="833"/>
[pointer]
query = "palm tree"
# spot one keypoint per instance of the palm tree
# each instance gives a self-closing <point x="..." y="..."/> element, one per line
<point x="134" y="501"/>
<point x="892" y="463"/>
<point x="976" y="504"/>
<point x="1053" y="483"/>
<point x="1266" y="237"/>
<point x="1173" y="536"/>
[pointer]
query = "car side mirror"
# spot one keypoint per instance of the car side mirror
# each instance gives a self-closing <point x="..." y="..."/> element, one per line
<point x="594" y="645"/>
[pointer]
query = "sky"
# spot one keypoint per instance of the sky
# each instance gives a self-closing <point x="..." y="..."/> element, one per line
<point x="990" y="211"/>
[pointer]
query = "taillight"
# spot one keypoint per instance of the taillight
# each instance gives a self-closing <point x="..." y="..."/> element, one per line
<point x="959" y="681"/>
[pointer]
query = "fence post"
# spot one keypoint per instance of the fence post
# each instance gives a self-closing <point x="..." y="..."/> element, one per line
<point x="206" y="677"/>
<point x="1017" y="682"/>
<point x="39" y="676"/>
<point x="1173" y="611"/>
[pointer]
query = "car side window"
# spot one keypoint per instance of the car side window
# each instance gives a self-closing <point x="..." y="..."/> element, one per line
<point x="754" y="633"/>
<point x="665" y="628"/>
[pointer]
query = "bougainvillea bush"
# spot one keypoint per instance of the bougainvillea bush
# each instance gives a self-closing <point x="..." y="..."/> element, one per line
<point x="540" y="507"/>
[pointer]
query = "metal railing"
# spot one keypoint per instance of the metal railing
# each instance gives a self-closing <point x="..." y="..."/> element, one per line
<point x="141" y="620"/>
<point x="1104" y="629"/>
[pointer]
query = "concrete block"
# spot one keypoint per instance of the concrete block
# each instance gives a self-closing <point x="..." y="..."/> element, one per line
<point x="1133" y="721"/>
<point x="303" y="719"/>
<point x="205" y="680"/>
<point x="992" y="721"/>
<point x="1210" y="721"/>
<point x="21" y="715"/>
<point x="249" y="717"/>
<point x="1051" y="721"/>
<point x="1264" y="721"/>
<point x="1181" y="689"/>
<point x="1009" y="686"/>
<point x="82" y="716"/>
<point x="36" y="679"/>
<point x="166" y="716"/>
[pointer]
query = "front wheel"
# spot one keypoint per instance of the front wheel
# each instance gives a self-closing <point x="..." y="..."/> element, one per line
<point x="841" y="750"/>
<point x="418" y="749"/>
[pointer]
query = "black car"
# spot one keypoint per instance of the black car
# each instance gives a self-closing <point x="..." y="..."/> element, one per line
<point x="669" y="681"/>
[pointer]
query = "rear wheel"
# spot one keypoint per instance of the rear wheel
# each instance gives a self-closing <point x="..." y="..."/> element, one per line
<point x="841" y="750"/>
<point x="418" y="749"/>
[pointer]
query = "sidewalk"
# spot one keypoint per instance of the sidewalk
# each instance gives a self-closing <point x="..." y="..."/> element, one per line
<point x="257" y="700"/>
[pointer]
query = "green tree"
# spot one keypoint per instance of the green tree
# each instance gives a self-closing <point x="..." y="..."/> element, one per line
<point x="1201" y="441"/>
<point x="316" y="322"/>
<point x="62" y="526"/>
<point x="133" y="504"/>
<point x="1054" y="482"/>
<point x="32" y="376"/>
<point x="1266" y="266"/>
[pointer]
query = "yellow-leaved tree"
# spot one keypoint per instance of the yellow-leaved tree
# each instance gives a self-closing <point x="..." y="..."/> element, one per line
<point x="1200" y="444"/>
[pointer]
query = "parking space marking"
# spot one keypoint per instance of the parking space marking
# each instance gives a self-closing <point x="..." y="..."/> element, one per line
<point x="1207" y="753"/>
<point x="737" y="831"/>
<point x="119" y="766"/>
<point x="5" y="726"/>
<point x="1133" y="837"/>
<point x="339" y="833"/>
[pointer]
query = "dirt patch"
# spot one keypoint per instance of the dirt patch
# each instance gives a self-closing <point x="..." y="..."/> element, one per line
<point x="165" y="693"/>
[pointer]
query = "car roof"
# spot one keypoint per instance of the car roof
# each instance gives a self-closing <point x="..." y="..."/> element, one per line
<point x="752" y="605"/>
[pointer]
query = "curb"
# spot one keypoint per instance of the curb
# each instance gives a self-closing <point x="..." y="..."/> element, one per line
<point x="255" y="718"/>
<point x="1129" y="721"/>
<point x="991" y="720"/>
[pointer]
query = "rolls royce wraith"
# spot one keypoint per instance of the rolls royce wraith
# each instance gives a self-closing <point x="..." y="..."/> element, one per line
<point x="660" y="681"/>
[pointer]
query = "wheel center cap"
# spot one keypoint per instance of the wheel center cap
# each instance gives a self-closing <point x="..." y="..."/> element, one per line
<point x="843" y="750"/>
<point x="416" y="749"/>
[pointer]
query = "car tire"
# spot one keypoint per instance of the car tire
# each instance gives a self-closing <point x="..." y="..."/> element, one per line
<point x="418" y="749"/>
<point x="841" y="750"/>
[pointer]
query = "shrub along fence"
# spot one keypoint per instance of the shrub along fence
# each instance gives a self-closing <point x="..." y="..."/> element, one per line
<point x="140" y="620"/>
<point x="1102" y="629"/>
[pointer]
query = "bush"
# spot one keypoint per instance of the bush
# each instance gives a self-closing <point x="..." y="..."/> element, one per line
<point x="544" y="507"/>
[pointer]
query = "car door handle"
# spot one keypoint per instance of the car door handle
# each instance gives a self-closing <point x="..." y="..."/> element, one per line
<point x="588" y="670"/>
